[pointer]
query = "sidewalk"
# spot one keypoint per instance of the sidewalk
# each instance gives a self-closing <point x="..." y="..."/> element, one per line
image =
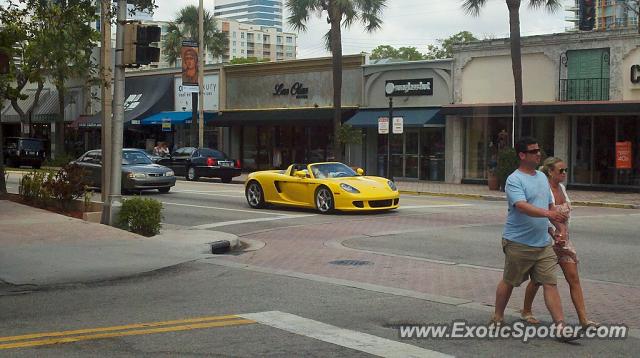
<point x="41" y="248"/>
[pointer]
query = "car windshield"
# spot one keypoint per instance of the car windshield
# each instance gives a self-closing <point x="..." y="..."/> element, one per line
<point x="213" y="153"/>
<point x="135" y="158"/>
<point x="332" y="170"/>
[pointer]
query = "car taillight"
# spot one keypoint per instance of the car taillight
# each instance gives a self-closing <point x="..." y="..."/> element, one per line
<point x="211" y="162"/>
<point x="237" y="163"/>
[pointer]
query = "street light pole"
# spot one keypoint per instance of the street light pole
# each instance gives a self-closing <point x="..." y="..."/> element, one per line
<point x="389" y="176"/>
<point x="114" y="200"/>
<point x="201" y="75"/>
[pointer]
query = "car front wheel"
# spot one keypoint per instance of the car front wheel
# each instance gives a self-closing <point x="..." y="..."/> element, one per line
<point x="324" y="200"/>
<point x="164" y="190"/>
<point x="255" y="195"/>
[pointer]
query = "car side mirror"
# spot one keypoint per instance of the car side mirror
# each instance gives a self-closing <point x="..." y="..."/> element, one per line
<point x="300" y="174"/>
<point x="360" y="171"/>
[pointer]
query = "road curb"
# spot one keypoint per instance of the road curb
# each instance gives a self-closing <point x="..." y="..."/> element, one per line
<point x="501" y="198"/>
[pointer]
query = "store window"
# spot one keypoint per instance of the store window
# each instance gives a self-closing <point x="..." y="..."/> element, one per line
<point x="485" y="137"/>
<point x="542" y="129"/>
<point x="594" y="157"/>
<point x="417" y="153"/>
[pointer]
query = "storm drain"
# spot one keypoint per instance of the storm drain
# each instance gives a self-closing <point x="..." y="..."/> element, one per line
<point x="351" y="263"/>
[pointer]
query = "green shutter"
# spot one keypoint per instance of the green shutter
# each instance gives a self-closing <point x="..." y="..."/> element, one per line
<point x="588" y="75"/>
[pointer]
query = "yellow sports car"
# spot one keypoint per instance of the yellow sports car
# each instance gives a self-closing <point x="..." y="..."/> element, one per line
<point x="324" y="186"/>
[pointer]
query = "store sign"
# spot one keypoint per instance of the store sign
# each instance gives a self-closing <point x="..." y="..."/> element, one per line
<point x="182" y="98"/>
<point x="623" y="155"/>
<point x="398" y="125"/>
<point x="383" y="125"/>
<point x="166" y="125"/>
<point x="635" y="74"/>
<point x="417" y="87"/>
<point x="298" y="90"/>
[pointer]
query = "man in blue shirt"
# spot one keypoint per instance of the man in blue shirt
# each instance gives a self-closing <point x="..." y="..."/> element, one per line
<point x="526" y="242"/>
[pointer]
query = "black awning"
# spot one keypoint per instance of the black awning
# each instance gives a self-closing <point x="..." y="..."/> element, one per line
<point x="413" y="117"/>
<point x="144" y="96"/>
<point x="568" y="108"/>
<point x="303" y="116"/>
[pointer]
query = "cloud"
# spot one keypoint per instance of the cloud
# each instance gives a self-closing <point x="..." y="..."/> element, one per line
<point x="410" y="23"/>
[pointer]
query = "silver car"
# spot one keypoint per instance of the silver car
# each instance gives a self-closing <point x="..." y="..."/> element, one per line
<point x="138" y="171"/>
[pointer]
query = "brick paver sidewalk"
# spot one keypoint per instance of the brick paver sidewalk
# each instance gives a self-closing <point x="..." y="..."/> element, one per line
<point x="305" y="249"/>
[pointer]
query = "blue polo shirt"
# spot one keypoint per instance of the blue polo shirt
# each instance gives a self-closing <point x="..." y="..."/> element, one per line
<point x="522" y="228"/>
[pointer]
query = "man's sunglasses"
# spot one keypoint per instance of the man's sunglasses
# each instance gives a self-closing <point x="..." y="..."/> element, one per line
<point x="533" y="151"/>
<point x="563" y="170"/>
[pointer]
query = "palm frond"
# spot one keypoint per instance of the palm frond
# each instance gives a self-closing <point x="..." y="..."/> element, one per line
<point x="550" y="5"/>
<point x="473" y="7"/>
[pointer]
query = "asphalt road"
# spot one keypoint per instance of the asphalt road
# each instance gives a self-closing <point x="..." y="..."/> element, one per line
<point x="461" y="231"/>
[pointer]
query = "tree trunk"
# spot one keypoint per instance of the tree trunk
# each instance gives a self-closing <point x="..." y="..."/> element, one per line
<point x="3" y="183"/>
<point x="336" y="52"/>
<point x="516" y="62"/>
<point x="59" y="138"/>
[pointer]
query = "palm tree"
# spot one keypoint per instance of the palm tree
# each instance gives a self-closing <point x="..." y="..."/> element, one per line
<point x="473" y="7"/>
<point x="339" y="13"/>
<point x="186" y="27"/>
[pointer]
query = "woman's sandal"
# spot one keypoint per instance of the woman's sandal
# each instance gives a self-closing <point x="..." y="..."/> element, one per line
<point x="496" y="322"/>
<point x="529" y="318"/>
<point x="590" y="324"/>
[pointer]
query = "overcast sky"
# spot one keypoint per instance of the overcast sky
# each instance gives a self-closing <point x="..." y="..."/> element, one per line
<point x="410" y="23"/>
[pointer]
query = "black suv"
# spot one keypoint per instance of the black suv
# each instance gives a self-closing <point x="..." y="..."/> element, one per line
<point x="23" y="151"/>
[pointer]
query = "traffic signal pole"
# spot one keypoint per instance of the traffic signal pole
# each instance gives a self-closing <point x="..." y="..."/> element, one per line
<point x="107" y="97"/>
<point x="114" y="200"/>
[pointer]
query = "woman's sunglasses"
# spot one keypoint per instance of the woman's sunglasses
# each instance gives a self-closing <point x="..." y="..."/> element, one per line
<point x="563" y="170"/>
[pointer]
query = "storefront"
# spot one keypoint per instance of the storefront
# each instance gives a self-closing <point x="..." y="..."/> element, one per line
<point x="581" y="101"/>
<point x="414" y="92"/>
<point x="279" y="113"/>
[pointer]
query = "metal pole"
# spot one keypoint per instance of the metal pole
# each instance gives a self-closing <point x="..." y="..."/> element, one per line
<point x="114" y="200"/>
<point x="201" y="75"/>
<point x="389" y="176"/>
<point x="107" y="97"/>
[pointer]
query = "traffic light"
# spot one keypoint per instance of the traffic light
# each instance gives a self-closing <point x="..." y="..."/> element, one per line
<point x="587" y="15"/>
<point x="137" y="38"/>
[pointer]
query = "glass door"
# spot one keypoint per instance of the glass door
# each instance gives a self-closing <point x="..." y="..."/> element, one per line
<point x="411" y="150"/>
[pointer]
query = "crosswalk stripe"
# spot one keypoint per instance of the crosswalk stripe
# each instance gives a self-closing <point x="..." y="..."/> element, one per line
<point x="363" y="342"/>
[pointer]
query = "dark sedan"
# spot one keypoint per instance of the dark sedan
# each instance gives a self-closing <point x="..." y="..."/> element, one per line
<point x="194" y="163"/>
<point x="138" y="171"/>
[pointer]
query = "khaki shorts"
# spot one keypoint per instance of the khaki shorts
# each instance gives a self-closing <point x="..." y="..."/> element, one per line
<point x="522" y="261"/>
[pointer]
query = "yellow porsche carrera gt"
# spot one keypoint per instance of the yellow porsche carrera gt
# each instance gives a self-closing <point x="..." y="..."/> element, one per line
<point x="324" y="186"/>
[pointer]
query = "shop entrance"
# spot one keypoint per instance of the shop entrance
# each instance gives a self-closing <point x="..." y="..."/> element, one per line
<point x="418" y="153"/>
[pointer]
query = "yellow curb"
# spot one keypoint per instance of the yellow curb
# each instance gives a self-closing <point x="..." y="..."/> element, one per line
<point x="500" y="198"/>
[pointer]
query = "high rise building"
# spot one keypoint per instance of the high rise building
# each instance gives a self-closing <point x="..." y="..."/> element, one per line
<point x="609" y="14"/>
<point x="264" y="43"/>
<point x="255" y="12"/>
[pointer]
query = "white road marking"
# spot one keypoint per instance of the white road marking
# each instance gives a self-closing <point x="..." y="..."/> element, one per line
<point x="209" y="191"/>
<point x="226" y="209"/>
<point x="236" y="222"/>
<point x="409" y="207"/>
<point x="359" y="341"/>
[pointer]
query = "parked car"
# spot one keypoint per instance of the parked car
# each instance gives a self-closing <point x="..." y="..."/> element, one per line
<point x="138" y="171"/>
<point x="194" y="163"/>
<point x="23" y="151"/>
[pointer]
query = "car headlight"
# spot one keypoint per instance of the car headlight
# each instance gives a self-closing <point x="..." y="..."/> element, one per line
<point x="392" y="185"/>
<point x="348" y="188"/>
<point x="137" y="175"/>
<point x="170" y="173"/>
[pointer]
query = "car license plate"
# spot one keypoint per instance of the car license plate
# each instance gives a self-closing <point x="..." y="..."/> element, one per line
<point x="226" y="164"/>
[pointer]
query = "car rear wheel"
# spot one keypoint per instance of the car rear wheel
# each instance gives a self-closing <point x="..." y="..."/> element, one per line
<point x="191" y="174"/>
<point x="164" y="190"/>
<point x="324" y="200"/>
<point x="255" y="195"/>
<point x="226" y="179"/>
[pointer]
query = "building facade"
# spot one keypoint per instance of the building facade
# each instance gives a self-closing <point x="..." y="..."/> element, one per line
<point x="261" y="42"/>
<point x="255" y="12"/>
<point x="609" y="14"/>
<point x="581" y="100"/>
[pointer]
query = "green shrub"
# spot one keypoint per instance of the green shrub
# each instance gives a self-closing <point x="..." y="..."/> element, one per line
<point x="60" y="161"/>
<point x="508" y="161"/>
<point x="141" y="216"/>
<point x="33" y="188"/>
<point x="66" y="185"/>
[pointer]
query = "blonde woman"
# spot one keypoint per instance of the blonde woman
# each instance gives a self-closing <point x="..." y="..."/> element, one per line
<point x="556" y="171"/>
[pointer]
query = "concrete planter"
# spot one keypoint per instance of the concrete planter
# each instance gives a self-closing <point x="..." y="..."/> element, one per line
<point x="91" y="211"/>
